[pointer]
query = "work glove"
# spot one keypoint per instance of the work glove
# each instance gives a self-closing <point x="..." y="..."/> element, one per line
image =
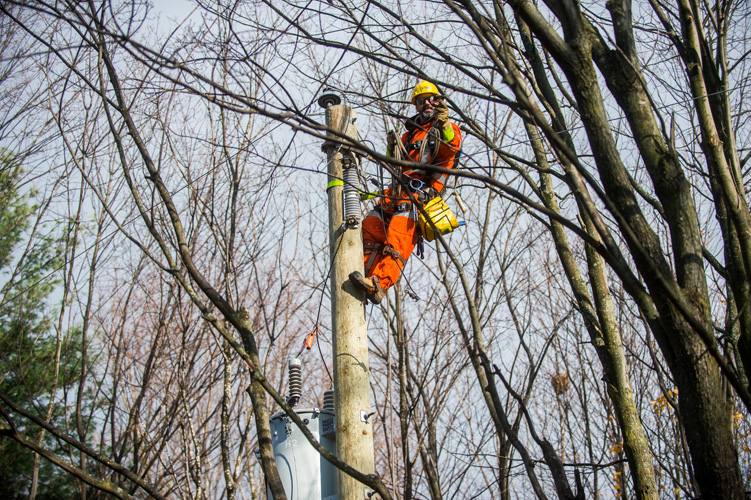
<point x="442" y="114"/>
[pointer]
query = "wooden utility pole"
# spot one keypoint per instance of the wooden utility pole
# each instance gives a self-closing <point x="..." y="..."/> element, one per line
<point x="354" y="430"/>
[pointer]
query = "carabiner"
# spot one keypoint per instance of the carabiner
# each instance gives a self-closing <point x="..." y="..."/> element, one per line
<point x="416" y="185"/>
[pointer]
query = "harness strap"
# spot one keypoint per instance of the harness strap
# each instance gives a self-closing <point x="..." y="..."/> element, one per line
<point x="371" y="260"/>
<point x="373" y="249"/>
<point x="389" y="250"/>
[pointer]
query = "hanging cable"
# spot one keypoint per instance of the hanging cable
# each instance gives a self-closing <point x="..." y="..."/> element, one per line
<point x="314" y="335"/>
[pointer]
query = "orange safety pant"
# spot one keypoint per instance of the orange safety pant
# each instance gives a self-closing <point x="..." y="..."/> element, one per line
<point x="388" y="241"/>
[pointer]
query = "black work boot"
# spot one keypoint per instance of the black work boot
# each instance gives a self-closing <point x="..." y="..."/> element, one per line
<point x="370" y="286"/>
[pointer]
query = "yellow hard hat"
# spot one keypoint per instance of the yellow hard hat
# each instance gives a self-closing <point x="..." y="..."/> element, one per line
<point x="424" y="87"/>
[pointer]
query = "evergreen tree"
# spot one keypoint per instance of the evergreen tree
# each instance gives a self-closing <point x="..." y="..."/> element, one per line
<point x="27" y="344"/>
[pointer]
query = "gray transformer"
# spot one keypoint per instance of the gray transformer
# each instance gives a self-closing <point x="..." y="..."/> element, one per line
<point x="304" y="473"/>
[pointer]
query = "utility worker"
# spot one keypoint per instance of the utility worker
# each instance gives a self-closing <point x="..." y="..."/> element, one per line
<point x="389" y="231"/>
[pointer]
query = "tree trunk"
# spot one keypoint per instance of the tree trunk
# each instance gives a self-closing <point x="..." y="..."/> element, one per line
<point x="598" y="317"/>
<point x="704" y="408"/>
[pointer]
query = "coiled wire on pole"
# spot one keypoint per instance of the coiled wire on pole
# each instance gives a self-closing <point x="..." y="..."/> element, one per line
<point x="351" y="192"/>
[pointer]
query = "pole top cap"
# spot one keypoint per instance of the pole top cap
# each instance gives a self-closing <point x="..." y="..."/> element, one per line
<point x="328" y="98"/>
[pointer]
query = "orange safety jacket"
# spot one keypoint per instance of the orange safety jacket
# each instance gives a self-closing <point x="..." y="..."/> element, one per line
<point x="425" y="145"/>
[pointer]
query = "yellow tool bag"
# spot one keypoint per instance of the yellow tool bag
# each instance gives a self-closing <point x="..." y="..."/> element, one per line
<point x="441" y="215"/>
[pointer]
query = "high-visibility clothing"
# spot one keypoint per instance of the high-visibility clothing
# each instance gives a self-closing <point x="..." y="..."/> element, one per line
<point x="388" y="241"/>
<point x="389" y="231"/>
<point x="417" y="141"/>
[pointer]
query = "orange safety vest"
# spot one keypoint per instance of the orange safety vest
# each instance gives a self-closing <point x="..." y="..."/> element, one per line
<point x="426" y="145"/>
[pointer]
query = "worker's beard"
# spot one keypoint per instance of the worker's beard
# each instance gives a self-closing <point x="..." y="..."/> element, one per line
<point x="426" y="116"/>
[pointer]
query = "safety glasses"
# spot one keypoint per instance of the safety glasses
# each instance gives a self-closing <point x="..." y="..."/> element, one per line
<point x="431" y="98"/>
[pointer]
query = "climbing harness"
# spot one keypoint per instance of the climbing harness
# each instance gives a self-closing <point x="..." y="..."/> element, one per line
<point x="372" y="250"/>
